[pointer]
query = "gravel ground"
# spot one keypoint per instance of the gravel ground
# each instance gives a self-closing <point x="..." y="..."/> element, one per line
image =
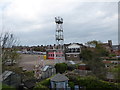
<point x="29" y="61"/>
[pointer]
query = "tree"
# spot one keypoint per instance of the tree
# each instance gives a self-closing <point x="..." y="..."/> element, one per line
<point x="116" y="72"/>
<point x="90" y="82"/>
<point x="92" y="57"/>
<point x="7" y="41"/>
<point x="99" y="49"/>
<point x="61" y="67"/>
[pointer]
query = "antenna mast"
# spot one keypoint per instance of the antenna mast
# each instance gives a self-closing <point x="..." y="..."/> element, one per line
<point x="59" y="38"/>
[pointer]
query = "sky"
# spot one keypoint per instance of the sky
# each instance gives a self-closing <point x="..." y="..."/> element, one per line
<point x="33" y="21"/>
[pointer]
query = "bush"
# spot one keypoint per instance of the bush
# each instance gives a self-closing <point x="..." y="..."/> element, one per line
<point x="61" y="67"/>
<point x="71" y="84"/>
<point x="40" y="87"/>
<point x="71" y="67"/>
<point x="43" y="85"/>
<point x="28" y="75"/>
<point x="45" y="82"/>
<point x="91" y="82"/>
<point x="5" y="87"/>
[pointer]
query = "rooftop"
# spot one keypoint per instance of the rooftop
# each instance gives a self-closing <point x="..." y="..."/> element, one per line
<point x="59" y="78"/>
<point x="6" y="74"/>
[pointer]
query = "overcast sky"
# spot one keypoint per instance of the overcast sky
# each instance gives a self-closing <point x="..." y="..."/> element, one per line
<point x="32" y="21"/>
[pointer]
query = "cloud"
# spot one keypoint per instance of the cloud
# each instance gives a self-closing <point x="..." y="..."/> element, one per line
<point x="33" y="21"/>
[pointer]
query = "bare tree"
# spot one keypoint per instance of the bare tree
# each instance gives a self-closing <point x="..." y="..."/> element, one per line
<point x="8" y="40"/>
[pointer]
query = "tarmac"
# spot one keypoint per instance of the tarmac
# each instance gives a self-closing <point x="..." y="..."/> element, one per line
<point x="28" y="61"/>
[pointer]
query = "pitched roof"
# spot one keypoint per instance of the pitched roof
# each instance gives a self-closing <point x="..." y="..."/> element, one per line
<point x="30" y="83"/>
<point x="6" y="74"/>
<point x="71" y="62"/>
<point x="45" y="68"/>
<point x="59" y="78"/>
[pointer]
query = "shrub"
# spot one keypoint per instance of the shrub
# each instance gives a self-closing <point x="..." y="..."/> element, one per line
<point x="61" y="67"/>
<point x="71" y="84"/>
<point x="28" y="75"/>
<point x="45" y="82"/>
<point x="71" y="67"/>
<point x="5" y="87"/>
<point x="43" y="85"/>
<point x="40" y="87"/>
<point x="91" y="82"/>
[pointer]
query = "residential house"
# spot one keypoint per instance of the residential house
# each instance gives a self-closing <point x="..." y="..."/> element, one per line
<point x="11" y="78"/>
<point x="73" y="51"/>
<point x="83" y="67"/>
<point x="48" y="71"/>
<point x="116" y="50"/>
<point x="42" y="72"/>
<point x="55" y="54"/>
<point x="59" y="81"/>
<point x="108" y="46"/>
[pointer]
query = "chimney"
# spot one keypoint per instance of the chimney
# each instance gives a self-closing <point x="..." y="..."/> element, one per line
<point x="110" y="43"/>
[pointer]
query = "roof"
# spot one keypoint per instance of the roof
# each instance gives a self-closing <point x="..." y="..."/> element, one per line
<point x="82" y="64"/>
<point x="45" y="68"/>
<point x="72" y="53"/>
<point x="116" y="47"/>
<point x="30" y="83"/>
<point x="59" y="78"/>
<point x="6" y="74"/>
<point x="71" y="62"/>
<point x="74" y="45"/>
<point x="107" y="61"/>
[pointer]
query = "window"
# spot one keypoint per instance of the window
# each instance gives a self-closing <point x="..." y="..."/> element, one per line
<point x="68" y="55"/>
<point x="73" y="49"/>
<point x="75" y="55"/>
<point x="69" y="50"/>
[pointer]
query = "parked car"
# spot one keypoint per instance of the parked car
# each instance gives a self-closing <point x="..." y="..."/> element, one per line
<point x="10" y="62"/>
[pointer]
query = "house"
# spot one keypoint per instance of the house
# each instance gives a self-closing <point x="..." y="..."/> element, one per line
<point x="83" y="67"/>
<point x="116" y="50"/>
<point x="115" y="47"/>
<point x="59" y="81"/>
<point x="71" y="65"/>
<point x="47" y="71"/>
<point x="42" y="72"/>
<point x="55" y="54"/>
<point x="111" y="61"/>
<point x="11" y="78"/>
<point x="108" y="46"/>
<point x="73" y="51"/>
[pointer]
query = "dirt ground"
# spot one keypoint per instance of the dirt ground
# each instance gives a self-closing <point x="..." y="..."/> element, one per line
<point x="29" y="61"/>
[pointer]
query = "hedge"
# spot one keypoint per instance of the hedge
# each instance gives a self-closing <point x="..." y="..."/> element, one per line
<point x="92" y="82"/>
